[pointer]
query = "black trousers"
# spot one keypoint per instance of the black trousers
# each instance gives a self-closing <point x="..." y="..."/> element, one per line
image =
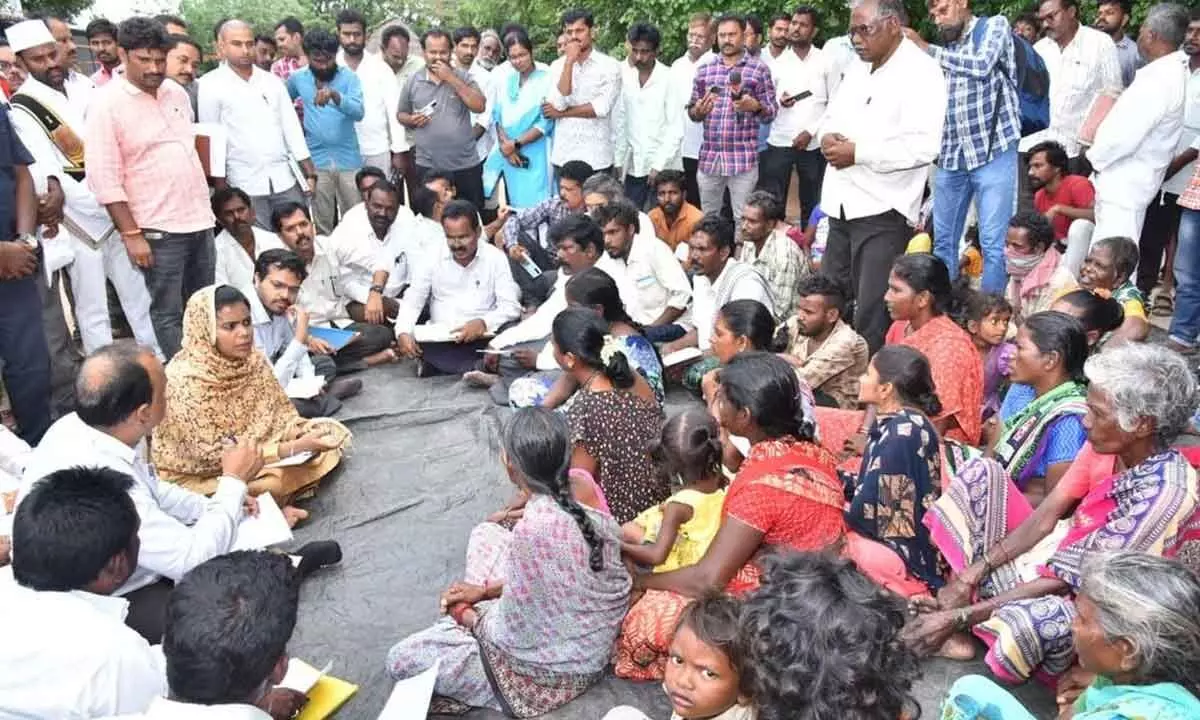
<point x="371" y="339"/>
<point x="1158" y="232"/>
<point x="25" y="355"/>
<point x="860" y="253"/>
<point x="775" y="165"/>
<point x="468" y="182"/>
<point x="690" y="167"/>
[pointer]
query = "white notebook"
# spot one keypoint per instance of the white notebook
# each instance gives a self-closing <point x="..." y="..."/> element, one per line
<point x="410" y="697"/>
<point x="265" y="529"/>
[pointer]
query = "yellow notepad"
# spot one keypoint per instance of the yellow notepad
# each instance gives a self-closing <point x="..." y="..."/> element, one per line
<point x="326" y="697"/>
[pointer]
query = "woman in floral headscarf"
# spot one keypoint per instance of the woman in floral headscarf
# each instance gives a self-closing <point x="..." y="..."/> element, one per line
<point x="221" y="389"/>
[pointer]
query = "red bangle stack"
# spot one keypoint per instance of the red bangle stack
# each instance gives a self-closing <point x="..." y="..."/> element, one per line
<point x="458" y="609"/>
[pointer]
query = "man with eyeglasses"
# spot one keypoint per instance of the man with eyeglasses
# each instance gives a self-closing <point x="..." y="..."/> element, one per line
<point x="880" y="135"/>
<point x="1083" y="64"/>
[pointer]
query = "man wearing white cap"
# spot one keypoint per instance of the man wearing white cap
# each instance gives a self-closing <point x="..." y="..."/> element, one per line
<point x="51" y="126"/>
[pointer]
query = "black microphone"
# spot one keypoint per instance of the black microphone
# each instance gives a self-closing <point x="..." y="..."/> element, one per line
<point x="735" y="84"/>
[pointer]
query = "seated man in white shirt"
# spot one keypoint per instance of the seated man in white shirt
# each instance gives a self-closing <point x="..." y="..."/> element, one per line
<point x="281" y="331"/>
<point x="120" y="399"/>
<point x="228" y="625"/>
<point x="321" y="292"/>
<point x="67" y="652"/>
<point x="470" y="292"/>
<point x="241" y="240"/>
<point x="718" y="278"/>
<point x="648" y="266"/>
<point x="374" y="291"/>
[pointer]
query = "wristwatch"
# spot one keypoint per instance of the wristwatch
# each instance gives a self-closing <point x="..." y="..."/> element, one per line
<point x="376" y="289"/>
<point x="29" y="239"/>
<point x="517" y="144"/>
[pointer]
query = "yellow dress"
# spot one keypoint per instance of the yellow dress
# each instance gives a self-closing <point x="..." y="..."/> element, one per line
<point x="695" y="535"/>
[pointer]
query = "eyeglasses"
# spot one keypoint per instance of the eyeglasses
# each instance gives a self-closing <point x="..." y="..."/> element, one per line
<point x="866" y="30"/>
<point x="1050" y="15"/>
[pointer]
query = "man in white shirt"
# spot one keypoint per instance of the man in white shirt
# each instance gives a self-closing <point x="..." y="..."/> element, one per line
<point x="466" y="41"/>
<point x="265" y="141"/>
<point x="470" y="293"/>
<point x="1112" y="18"/>
<point x="586" y="89"/>
<point x="646" y="264"/>
<point x="322" y="291"/>
<point x="228" y="625"/>
<point x="1082" y="63"/>
<point x="241" y="240"/>
<point x="801" y="81"/>
<point x="80" y="87"/>
<point x="882" y="131"/>
<point x="1136" y="141"/>
<point x="67" y="652"/>
<point x="381" y="137"/>
<point x="394" y="48"/>
<point x="683" y="74"/>
<point x="121" y="397"/>
<point x="651" y="129"/>
<point x="85" y="238"/>
<point x="718" y="278"/>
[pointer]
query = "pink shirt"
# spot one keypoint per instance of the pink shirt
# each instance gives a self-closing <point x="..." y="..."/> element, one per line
<point x="140" y="149"/>
<point x="101" y="77"/>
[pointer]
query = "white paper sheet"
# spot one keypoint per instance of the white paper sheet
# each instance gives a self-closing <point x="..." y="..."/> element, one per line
<point x="681" y="356"/>
<point x="303" y="388"/>
<point x="297" y="459"/>
<point x="410" y="698"/>
<point x="264" y="530"/>
<point x="302" y="676"/>
<point x="435" y="332"/>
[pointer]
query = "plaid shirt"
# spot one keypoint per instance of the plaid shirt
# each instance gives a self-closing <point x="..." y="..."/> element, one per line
<point x="979" y="80"/>
<point x="283" y="69"/>
<point x="730" y="144"/>
<point x="546" y="212"/>
<point x="835" y="367"/>
<point x="782" y="264"/>
<point x="1190" y="198"/>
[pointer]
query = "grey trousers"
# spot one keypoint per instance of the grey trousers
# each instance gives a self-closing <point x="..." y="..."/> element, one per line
<point x="263" y="205"/>
<point x="183" y="263"/>
<point x="336" y="193"/>
<point x="712" y="191"/>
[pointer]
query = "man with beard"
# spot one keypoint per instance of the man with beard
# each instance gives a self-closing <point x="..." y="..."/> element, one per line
<point x="142" y="166"/>
<point x="1112" y="17"/>
<point x="333" y="103"/>
<point x="264" y="51"/>
<point x="882" y="131"/>
<point x="281" y="331"/>
<point x="683" y="73"/>
<point x="978" y="158"/>
<point x="79" y="86"/>
<point x="470" y="293"/>
<point x="102" y="41"/>
<point x="240" y="241"/>
<point x="1067" y="201"/>
<point x="85" y="235"/>
<point x="380" y="136"/>
<point x="766" y="247"/>
<point x="646" y="265"/>
<point x="394" y="47"/>
<point x="586" y="89"/>
<point x="263" y="134"/>
<point x="673" y="217"/>
<point x="374" y="290"/>
<point x="649" y="131"/>
<point x="822" y="346"/>
<point x="466" y="41"/>
<point x="322" y="292"/>
<point x="183" y="60"/>
<point x="490" y="53"/>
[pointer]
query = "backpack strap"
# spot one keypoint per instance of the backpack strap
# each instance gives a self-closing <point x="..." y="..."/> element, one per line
<point x="977" y="33"/>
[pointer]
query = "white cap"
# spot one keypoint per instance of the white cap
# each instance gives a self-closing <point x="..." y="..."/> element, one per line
<point x="27" y="34"/>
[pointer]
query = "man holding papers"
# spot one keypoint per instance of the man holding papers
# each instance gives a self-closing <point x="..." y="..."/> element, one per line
<point x="471" y="295"/>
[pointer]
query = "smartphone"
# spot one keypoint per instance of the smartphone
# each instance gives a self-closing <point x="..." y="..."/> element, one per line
<point x="714" y="89"/>
<point x="798" y="96"/>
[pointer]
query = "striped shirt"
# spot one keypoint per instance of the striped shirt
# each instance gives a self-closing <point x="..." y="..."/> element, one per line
<point x="982" y="109"/>
<point x="730" y="144"/>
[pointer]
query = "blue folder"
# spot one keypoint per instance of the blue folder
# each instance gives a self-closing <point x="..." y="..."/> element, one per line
<point x="337" y="339"/>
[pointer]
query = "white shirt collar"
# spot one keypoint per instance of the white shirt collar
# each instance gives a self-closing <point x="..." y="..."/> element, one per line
<point x="166" y="708"/>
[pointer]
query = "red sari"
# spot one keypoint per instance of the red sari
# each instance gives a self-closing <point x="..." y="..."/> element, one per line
<point x="787" y="490"/>
<point x="957" y="377"/>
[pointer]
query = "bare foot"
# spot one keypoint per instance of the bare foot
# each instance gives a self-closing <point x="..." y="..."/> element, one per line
<point x="958" y="646"/>
<point x="294" y="515"/>
<point x="480" y="379"/>
<point x="383" y="357"/>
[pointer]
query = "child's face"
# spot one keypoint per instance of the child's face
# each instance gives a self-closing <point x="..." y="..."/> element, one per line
<point x="700" y="682"/>
<point x="993" y="327"/>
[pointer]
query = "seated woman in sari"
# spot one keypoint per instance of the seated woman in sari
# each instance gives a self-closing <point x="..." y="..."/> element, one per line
<point x="595" y="290"/>
<point x="1039" y="430"/>
<point x="532" y="624"/>
<point x="900" y="477"/>
<point x="1036" y="272"/>
<point x="919" y="296"/>
<point x="786" y="495"/>
<point x="1015" y="572"/>
<point x="521" y="153"/>
<point x="1108" y="270"/>
<point x="220" y="388"/>
<point x="1136" y="631"/>
<point x="1099" y="315"/>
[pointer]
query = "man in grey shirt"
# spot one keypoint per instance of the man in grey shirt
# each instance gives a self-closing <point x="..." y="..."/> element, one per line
<point x="437" y="102"/>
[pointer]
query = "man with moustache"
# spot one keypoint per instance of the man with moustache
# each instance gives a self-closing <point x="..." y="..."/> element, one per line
<point x="183" y="60"/>
<point x="683" y="72"/>
<point x="1112" y="17"/>
<point x="1068" y="201"/>
<point x="673" y="216"/>
<point x="333" y="103"/>
<point x="649" y="130"/>
<point x="469" y="290"/>
<point x="374" y="289"/>
<point x="381" y="137"/>
<point x="241" y="240"/>
<point x="978" y="158"/>
<point x="265" y="48"/>
<point x="142" y="165"/>
<point x="79" y="86"/>
<point x="825" y="350"/>
<point x="50" y="126"/>
<point x="102" y="41"/>
<point x="263" y="134"/>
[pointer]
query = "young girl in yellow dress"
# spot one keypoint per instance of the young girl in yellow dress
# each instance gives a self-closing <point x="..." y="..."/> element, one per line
<point x="677" y="533"/>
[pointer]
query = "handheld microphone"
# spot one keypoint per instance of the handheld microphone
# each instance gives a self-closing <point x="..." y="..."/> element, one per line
<point x="735" y="84"/>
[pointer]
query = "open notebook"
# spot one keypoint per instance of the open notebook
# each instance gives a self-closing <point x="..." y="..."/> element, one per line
<point x="325" y="693"/>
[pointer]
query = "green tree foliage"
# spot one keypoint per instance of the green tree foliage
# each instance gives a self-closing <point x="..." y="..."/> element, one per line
<point x="66" y="9"/>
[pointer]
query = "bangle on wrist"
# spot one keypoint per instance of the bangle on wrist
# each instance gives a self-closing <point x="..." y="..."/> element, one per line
<point x="131" y="233"/>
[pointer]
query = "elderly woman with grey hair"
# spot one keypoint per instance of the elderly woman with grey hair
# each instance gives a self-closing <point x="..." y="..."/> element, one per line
<point x="1017" y="569"/>
<point x="1137" y="634"/>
